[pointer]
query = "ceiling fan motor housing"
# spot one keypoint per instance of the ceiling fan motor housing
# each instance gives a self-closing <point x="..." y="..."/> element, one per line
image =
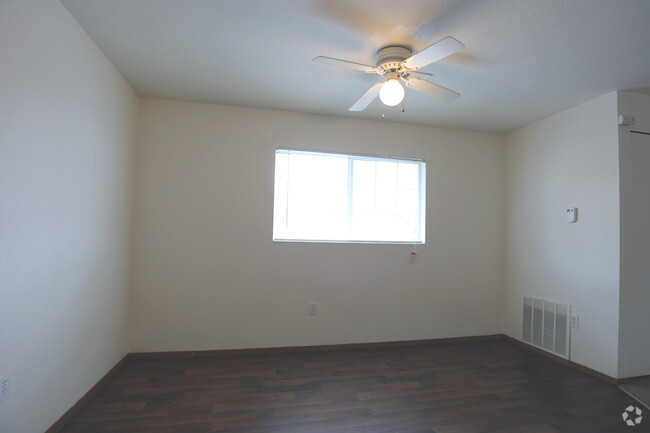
<point x="391" y="57"/>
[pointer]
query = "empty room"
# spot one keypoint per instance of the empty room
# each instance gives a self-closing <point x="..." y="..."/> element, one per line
<point x="334" y="216"/>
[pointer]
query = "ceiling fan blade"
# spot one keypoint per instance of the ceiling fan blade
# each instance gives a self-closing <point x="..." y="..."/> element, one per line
<point x="431" y="89"/>
<point x="366" y="98"/>
<point x="346" y="63"/>
<point x="406" y="74"/>
<point x="433" y="53"/>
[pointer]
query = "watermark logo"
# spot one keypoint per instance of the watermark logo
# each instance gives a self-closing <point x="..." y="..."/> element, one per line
<point x="632" y="415"/>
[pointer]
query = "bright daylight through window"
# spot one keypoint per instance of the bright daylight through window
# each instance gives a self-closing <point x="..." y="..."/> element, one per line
<point x="328" y="197"/>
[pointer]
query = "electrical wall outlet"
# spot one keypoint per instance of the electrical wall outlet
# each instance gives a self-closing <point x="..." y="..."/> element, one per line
<point x="313" y="308"/>
<point x="4" y="387"/>
<point x="575" y="321"/>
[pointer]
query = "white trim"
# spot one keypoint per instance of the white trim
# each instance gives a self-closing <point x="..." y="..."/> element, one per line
<point x="345" y="153"/>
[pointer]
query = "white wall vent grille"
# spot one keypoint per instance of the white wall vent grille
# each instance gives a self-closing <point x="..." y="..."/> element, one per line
<point x="546" y="325"/>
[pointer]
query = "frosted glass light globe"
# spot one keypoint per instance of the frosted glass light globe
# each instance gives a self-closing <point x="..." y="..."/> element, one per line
<point x="391" y="93"/>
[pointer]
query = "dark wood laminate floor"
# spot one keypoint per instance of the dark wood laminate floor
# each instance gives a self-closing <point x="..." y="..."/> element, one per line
<point x="482" y="386"/>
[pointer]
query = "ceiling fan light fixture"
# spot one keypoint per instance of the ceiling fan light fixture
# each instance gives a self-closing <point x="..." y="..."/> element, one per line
<point x="391" y="92"/>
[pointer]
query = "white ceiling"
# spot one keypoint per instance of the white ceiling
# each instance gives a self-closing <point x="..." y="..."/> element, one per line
<point x="524" y="59"/>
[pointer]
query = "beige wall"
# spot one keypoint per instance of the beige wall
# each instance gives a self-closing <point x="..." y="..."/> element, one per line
<point x="567" y="160"/>
<point x="634" y="349"/>
<point x="67" y="126"/>
<point x="208" y="276"/>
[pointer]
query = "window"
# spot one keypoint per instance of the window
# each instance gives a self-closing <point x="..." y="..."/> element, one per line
<point x="328" y="197"/>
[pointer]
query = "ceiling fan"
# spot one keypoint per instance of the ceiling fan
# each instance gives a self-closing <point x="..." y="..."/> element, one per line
<point x="397" y="63"/>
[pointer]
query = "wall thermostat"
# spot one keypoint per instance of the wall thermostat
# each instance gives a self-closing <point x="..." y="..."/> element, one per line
<point x="572" y="214"/>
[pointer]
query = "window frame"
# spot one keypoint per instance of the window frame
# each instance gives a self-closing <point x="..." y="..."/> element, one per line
<point x="421" y="164"/>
